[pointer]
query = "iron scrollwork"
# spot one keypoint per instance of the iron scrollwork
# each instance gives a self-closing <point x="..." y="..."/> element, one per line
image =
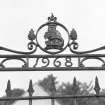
<point x="53" y="41"/>
<point x="93" y="58"/>
<point x="31" y="45"/>
<point x="52" y="37"/>
<point x="74" y="45"/>
<point x="8" y="59"/>
<point x="45" y="61"/>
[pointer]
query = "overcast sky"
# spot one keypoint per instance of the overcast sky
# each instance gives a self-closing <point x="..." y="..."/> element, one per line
<point x="17" y="17"/>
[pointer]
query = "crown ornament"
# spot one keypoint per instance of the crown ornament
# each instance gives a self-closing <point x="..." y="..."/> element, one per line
<point x="52" y="18"/>
<point x="53" y="38"/>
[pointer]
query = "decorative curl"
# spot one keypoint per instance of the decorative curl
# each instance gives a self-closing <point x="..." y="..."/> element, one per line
<point x="45" y="61"/>
<point x="8" y="59"/>
<point x="87" y="58"/>
<point x="31" y="46"/>
<point x="73" y="46"/>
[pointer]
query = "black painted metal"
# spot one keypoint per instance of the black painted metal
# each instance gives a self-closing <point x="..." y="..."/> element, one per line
<point x="50" y="97"/>
<point x="52" y="62"/>
<point x="53" y="58"/>
<point x="53" y="96"/>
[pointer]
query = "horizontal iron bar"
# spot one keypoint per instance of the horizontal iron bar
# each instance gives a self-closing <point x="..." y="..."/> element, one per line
<point x="53" y="69"/>
<point x="52" y="56"/>
<point x="51" y="97"/>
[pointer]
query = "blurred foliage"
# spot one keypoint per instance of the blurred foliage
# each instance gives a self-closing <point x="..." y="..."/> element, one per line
<point x="74" y="88"/>
<point x="14" y="93"/>
<point x="49" y="83"/>
<point x="52" y="86"/>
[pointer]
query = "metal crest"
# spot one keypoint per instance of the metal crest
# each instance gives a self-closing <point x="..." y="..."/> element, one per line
<point x="53" y="38"/>
<point x="54" y="41"/>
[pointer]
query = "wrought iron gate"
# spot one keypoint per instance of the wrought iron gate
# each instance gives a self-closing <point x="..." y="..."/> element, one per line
<point x="54" y="42"/>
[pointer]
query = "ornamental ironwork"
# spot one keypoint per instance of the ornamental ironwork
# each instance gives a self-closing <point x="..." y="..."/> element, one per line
<point x="53" y="39"/>
<point x="30" y="97"/>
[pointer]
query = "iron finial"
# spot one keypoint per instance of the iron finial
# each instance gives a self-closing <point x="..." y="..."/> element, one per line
<point x="31" y="35"/>
<point x="97" y="86"/>
<point x="30" y="89"/>
<point x="52" y="18"/>
<point x="8" y="89"/>
<point x="75" y="86"/>
<point x="73" y="35"/>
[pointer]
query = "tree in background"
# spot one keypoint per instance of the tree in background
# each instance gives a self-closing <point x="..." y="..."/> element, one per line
<point x="52" y="86"/>
<point x="49" y="84"/>
<point x="76" y="88"/>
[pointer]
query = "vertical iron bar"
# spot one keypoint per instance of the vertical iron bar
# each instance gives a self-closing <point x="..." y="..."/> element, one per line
<point x="97" y="89"/>
<point x="27" y="62"/>
<point x="30" y="101"/>
<point x="75" y="90"/>
<point x="52" y="102"/>
<point x="98" y="101"/>
<point x="53" y="94"/>
<point x="78" y="61"/>
<point x="8" y="90"/>
<point x="53" y="89"/>
<point x="30" y="91"/>
<point x="75" y="101"/>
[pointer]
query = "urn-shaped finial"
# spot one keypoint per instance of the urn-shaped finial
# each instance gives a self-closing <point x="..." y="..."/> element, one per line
<point x="31" y="35"/>
<point x="73" y="35"/>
